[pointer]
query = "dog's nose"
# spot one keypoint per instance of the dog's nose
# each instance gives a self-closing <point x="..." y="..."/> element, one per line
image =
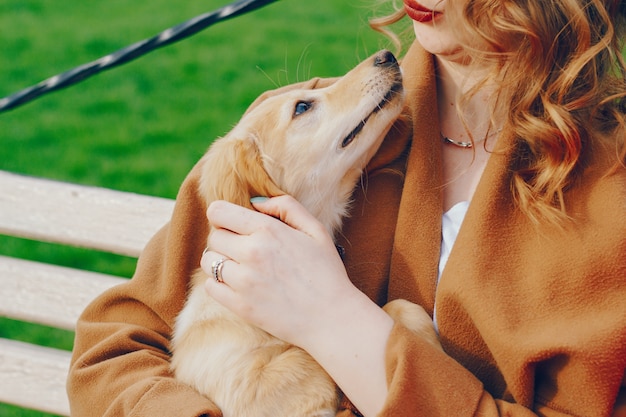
<point x="385" y="59"/>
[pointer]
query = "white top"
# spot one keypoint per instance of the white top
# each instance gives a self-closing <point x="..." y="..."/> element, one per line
<point x="450" y="225"/>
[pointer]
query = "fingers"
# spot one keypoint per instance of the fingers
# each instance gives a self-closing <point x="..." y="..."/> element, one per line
<point x="244" y="235"/>
<point x="232" y="217"/>
<point x="226" y="286"/>
<point x="243" y="221"/>
<point x="291" y="212"/>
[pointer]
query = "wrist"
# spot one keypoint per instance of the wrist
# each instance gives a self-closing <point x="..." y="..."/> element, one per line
<point x="335" y="318"/>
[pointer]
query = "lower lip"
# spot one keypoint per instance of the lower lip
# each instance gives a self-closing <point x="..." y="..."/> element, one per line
<point x="420" y="14"/>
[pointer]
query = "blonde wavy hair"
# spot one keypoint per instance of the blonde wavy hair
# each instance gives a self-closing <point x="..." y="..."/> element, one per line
<point x="562" y="78"/>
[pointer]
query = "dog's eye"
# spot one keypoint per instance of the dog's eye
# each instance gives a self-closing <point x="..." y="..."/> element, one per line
<point x="301" y="107"/>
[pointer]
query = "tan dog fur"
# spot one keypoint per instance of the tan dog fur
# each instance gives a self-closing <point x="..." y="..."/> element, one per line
<point x="272" y="151"/>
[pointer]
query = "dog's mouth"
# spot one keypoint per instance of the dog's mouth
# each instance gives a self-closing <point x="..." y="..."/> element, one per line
<point x="393" y="91"/>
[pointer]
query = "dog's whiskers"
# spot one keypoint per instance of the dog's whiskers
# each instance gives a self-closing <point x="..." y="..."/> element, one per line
<point x="307" y="71"/>
<point x="276" y="84"/>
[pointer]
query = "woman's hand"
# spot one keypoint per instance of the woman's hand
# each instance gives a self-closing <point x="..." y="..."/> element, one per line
<point x="282" y="272"/>
<point x="284" y="275"/>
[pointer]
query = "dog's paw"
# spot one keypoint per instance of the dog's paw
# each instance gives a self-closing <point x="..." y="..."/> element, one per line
<point x="415" y="318"/>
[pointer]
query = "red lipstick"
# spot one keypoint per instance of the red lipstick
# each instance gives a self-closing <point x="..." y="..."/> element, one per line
<point x="419" y="12"/>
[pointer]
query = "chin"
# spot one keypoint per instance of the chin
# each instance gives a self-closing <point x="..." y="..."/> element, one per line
<point x="438" y="40"/>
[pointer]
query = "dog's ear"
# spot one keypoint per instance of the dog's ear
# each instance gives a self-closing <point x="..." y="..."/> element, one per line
<point x="233" y="171"/>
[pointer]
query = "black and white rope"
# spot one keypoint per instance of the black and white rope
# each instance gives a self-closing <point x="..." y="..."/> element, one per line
<point x="131" y="52"/>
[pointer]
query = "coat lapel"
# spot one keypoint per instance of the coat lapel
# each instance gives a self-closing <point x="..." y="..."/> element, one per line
<point x="414" y="261"/>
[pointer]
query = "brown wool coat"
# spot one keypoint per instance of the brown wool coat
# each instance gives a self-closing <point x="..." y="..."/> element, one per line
<point x="533" y="320"/>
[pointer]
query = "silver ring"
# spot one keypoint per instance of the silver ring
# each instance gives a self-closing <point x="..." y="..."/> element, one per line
<point x="216" y="269"/>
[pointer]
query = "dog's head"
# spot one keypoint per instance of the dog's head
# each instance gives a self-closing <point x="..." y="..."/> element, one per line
<point x="310" y="143"/>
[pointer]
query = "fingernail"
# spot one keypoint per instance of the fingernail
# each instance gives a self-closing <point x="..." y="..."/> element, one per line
<point x="259" y="199"/>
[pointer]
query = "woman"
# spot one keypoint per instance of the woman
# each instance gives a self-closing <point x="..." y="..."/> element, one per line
<point x="515" y="130"/>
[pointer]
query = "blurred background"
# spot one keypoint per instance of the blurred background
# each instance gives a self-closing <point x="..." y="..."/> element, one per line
<point x="142" y="126"/>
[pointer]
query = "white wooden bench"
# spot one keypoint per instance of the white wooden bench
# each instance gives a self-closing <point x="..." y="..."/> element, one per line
<point x="33" y="376"/>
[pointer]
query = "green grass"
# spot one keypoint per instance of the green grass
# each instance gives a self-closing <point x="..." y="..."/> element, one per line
<point x="142" y="126"/>
<point x="170" y="104"/>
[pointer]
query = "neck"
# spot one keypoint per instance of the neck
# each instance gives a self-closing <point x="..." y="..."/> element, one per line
<point x="474" y="122"/>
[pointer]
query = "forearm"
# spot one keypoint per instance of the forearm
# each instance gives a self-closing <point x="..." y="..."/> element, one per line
<point x="385" y="369"/>
<point x="349" y="342"/>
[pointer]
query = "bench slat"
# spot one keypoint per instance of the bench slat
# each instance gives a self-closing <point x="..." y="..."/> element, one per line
<point x="34" y="376"/>
<point x="48" y="294"/>
<point x="79" y="215"/>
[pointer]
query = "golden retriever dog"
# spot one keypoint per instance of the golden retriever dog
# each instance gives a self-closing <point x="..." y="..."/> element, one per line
<point x="313" y="145"/>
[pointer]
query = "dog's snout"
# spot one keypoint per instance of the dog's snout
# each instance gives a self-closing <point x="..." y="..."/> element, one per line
<point x="384" y="59"/>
